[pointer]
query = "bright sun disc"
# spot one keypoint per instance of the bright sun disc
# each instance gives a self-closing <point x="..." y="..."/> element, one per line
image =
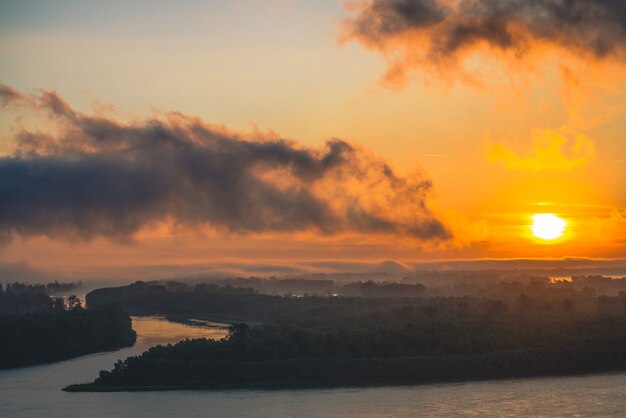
<point x="548" y="227"/>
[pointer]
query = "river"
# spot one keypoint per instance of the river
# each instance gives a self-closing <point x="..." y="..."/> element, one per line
<point x="36" y="392"/>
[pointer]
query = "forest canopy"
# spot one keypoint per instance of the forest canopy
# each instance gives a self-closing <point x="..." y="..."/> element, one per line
<point x="516" y="329"/>
<point x="36" y="328"/>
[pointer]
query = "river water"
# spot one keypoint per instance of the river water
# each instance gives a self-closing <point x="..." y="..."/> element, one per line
<point x="36" y="392"/>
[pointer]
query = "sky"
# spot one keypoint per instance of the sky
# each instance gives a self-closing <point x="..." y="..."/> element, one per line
<point x="143" y="138"/>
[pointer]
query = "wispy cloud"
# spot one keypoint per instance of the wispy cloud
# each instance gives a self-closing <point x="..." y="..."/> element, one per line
<point x="551" y="150"/>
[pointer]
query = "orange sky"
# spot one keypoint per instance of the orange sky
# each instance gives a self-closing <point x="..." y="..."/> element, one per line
<point x="503" y="126"/>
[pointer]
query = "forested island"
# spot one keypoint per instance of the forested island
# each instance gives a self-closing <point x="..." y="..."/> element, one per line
<point x="36" y="328"/>
<point x="525" y="328"/>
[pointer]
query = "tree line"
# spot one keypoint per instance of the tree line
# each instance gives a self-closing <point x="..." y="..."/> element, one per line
<point x="37" y="328"/>
<point x="534" y="329"/>
<point x="16" y="298"/>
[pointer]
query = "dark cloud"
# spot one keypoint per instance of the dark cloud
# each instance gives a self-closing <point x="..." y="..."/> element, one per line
<point x="95" y="176"/>
<point x="8" y="95"/>
<point x="596" y="27"/>
<point x="386" y="18"/>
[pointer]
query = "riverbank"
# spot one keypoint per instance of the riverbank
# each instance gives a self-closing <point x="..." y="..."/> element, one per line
<point x="270" y="386"/>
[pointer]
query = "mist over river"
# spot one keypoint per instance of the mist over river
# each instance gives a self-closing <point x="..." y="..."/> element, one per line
<point x="36" y="392"/>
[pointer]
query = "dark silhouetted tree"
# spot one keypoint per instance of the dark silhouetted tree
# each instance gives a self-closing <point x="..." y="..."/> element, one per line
<point x="73" y="303"/>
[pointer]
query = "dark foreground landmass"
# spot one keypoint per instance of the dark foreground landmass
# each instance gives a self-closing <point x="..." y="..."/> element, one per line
<point x="37" y="328"/>
<point x="43" y="337"/>
<point x="532" y="329"/>
<point x="188" y="365"/>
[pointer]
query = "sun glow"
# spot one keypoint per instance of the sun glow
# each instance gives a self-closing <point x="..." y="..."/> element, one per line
<point x="548" y="227"/>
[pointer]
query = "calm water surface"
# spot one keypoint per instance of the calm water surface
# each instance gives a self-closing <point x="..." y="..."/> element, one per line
<point x="36" y="392"/>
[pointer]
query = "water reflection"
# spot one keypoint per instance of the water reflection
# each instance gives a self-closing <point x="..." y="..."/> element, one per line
<point x="153" y="330"/>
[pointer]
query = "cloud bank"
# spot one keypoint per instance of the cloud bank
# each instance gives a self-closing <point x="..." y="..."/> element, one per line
<point x="442" y="33"/>
<point x="95" y="176"/>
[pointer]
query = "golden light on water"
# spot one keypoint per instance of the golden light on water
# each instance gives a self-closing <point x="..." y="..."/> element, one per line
<point x="548" y="226"/>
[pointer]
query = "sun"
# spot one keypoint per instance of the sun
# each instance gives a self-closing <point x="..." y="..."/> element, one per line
<point x="547" y="226"/>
